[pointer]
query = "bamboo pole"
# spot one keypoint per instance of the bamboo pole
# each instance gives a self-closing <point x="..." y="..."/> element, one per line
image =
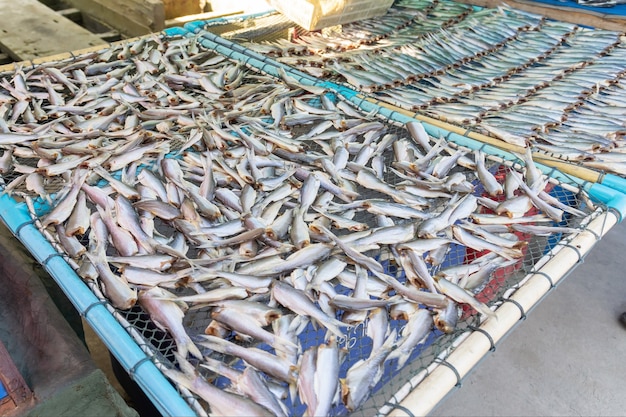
<point x="433" y="388"/>
<point x="575" y="170"/>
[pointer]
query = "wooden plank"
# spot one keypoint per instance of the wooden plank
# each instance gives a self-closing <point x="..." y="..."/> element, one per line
<point x="248" y="6"/>
<point x="94" y="25"/>
<point x="33" y="30"/>
<point x="176" y="8"/>
<point x="565" y="14"/>
<point x="71" y="13"/>
<point x="110" y="36"/>
<point x="67" y="55"/>
<point x="130" y="17"/>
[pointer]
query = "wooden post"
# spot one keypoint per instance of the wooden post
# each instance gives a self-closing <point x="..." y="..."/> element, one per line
<point x="31" y="30"/>
<point x="130" y="17"/>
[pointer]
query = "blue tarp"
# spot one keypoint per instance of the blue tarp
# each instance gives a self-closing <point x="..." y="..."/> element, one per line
<point x="3" y="391"/>
<point x="618" y="10"/>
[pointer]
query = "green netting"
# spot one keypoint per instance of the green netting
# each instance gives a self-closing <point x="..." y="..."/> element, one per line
<point x="198" y="110"/>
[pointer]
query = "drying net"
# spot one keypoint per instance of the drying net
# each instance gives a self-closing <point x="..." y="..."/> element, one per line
<point x="501" y="72"/>
<point x="404" y="235"/>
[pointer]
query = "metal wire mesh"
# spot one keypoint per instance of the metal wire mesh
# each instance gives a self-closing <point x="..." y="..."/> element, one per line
<point x="357" y="343"/>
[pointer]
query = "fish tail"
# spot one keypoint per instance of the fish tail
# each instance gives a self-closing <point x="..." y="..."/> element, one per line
<point x="193" y="349"/>
<point x="334" y="326"/>
<point x="210" y="343"/>
<point x="483" y="309"/>
<point x="403" y="357"/>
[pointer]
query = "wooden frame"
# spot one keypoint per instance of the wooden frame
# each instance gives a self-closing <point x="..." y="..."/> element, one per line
<point x="19" y="393"/>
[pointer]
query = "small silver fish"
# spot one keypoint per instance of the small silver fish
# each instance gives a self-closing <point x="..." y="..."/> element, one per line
<point x="222" y="403"/>
<point x="365" y="374"/>
<point x="168" y="313"/>
<point x="415" y="331"/>
<point x="298" y="302"/>
<point x="486" y="178"/>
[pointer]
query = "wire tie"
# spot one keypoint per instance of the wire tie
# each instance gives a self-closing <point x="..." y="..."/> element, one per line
<point x="547" y="277"/>
<point x="521" y="309"/>
<point x="584" y="184"/>
<point x="487" y="335"/>
<point x="575" y="249"/>
<point x="552" y="172"/>
<point x="133" y="369"/>
<point x="400" y="407"/>
<point x="52" y="255"/>
<point x="597" y="236"/>
<point x="92" y="305"/>
<point x="449" y="365"/>
<point x="19" y="228"/>
<point x="615" y="212"/>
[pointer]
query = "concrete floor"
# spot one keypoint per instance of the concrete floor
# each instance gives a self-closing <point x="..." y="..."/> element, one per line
<point x="567" y="358"/>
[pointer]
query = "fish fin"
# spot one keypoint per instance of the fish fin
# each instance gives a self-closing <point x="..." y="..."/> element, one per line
<point x="214" y="343"/>
<point x="345" y="390"/>
<point x="333" y="325"/>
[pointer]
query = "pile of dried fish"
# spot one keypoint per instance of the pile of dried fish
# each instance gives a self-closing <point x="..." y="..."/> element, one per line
<point x="181" y="180"/>
<point x="505" y="73"/>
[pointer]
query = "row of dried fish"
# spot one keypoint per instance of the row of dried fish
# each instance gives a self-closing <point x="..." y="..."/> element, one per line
<point x="182" y="180"/>
<point x="509" y="74"/>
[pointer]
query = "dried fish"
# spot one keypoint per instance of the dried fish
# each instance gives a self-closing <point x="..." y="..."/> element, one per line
<point x="205" y="186"/>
